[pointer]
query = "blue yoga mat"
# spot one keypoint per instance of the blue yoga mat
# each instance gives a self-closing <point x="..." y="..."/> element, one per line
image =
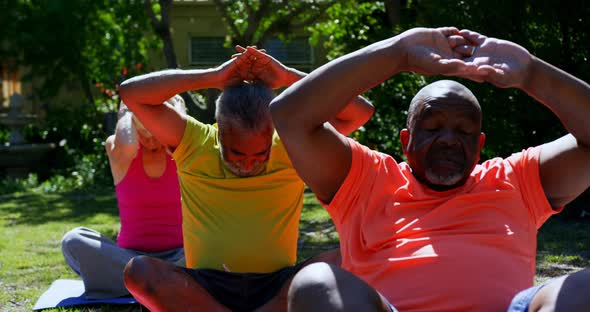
<point x="68" y="292"/>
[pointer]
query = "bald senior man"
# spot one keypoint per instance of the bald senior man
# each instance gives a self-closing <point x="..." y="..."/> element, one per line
<point x="439" y="232"/>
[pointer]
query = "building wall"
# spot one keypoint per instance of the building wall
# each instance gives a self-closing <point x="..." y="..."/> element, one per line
<point x="193" y="19"/>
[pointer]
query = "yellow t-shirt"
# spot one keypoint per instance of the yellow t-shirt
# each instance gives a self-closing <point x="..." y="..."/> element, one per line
<point x="247" y="224"/>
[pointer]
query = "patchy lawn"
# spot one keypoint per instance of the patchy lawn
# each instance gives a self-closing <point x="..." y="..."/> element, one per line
<point x="32" y="225"/>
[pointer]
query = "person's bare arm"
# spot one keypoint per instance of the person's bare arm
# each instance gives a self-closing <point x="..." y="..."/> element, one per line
<point x="564" y="163"/>
<point x="321" y="156"/>
<point x="121" y="147"/>
<point x="145" y="96"/>
<point x="276" y="75"/>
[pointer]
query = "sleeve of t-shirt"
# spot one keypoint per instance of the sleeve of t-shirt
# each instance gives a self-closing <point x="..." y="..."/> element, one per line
<point x="279" y="154"/>
<point x="526" y="167"/>
<point x="195" y="135"/>
<point x="357" y="185"/>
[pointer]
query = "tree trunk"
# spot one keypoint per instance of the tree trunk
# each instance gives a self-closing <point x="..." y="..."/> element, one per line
<point x="162" y="29"/>
<point x="393" y="10"/>
<point x="85" y="84"/>
<point x="169" y="52"/>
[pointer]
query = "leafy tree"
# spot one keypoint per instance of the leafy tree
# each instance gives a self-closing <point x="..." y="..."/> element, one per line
<point x="253" y="22"/>
<point x="75" y="45"/>
<point x="159" y="15"/>
<point x="82" y="42"/>
<point x="553" y="31"/>
<point x="351" y="25"/>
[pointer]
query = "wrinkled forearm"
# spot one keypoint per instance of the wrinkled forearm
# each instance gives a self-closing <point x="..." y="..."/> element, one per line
<point x="125" y="132"/>
<point x="157" y="87"/>
<point x="567" y="96"/>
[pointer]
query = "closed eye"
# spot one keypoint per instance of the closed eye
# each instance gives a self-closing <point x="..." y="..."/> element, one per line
<point x="237" y="153"/>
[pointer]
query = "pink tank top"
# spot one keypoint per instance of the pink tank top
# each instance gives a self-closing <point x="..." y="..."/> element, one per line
<point x="149" y="208"/>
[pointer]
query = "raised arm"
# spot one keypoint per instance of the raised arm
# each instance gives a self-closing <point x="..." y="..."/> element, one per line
<point x="145" y="96"/>
<point x="121" y="147"/>
<point x="321" y="156"/>
<point x="276" y="75"/>
<point x="565" y="162"/>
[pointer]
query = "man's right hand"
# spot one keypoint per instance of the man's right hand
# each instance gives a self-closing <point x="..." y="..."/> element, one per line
<point x="269" y="70"/>
<point x="234" y="71"/>
<point x="433" y="51"/>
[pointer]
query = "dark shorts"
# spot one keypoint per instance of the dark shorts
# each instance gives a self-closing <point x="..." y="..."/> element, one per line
<point x="243" y="292"/>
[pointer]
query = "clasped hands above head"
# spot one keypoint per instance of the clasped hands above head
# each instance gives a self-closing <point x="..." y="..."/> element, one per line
<point x="467" y="54"/>
<point x="254" y="64"/>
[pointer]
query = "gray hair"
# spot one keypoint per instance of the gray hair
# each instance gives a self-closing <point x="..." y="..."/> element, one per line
<point x="246" y="106"/>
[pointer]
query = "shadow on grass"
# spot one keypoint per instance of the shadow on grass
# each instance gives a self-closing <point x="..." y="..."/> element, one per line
<point x="563" y="246"/>
<point x="317" y="232"/>
<point x="39" y="208"/>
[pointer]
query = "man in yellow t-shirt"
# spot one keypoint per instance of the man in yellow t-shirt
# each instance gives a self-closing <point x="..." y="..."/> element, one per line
<point x="241" y="197"/>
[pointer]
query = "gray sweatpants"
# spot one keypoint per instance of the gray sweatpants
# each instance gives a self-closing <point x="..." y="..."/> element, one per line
<point x="100" y="262"/>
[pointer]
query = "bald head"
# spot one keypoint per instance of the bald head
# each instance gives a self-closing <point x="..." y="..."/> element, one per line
<point x="444" y="91"/>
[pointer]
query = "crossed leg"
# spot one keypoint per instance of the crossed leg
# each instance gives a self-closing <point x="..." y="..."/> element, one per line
<point x="162" y="286"/>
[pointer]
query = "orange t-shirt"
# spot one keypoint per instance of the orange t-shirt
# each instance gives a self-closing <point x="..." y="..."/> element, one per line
<point x="468" y="249"/>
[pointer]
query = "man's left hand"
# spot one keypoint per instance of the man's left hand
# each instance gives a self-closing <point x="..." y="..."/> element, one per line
<point x="267" y="69"/>
<point x="500" y="62"/>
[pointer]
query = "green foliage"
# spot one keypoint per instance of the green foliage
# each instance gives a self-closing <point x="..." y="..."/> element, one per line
<point x="75" y="42"/>
<point x="551" y="30"/>
<point x="352" y="25"/>
<point x="79" y="161"/>
<point x="15" y="185"/>
<point x="253" y="22"/>
<point x="74" y="45"/>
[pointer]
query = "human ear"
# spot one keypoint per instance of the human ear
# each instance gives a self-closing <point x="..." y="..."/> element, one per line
<point x="482" y="141"/>
<point x="404" y="137"/>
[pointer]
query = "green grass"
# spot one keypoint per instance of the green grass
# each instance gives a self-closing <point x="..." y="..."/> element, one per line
<point x="32" y="225"/>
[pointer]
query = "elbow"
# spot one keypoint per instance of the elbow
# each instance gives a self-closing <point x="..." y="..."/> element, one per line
<point x="126" y="94"/>
<point x="368" y="112"/>
<point x="278" y="113"/>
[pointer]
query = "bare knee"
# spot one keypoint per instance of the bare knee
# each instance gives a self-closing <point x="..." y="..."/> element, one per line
<point x="139" y="275"/>
<point x="314" y="288"/>
<point x="325" y="287"/>
<point x="74" y="242"/>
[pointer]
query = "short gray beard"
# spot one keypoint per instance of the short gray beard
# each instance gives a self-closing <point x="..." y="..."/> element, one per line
<point x="239" y="171"/>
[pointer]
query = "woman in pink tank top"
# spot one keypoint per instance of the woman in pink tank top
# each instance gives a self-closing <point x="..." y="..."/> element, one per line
<point x="148" y="196"/>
